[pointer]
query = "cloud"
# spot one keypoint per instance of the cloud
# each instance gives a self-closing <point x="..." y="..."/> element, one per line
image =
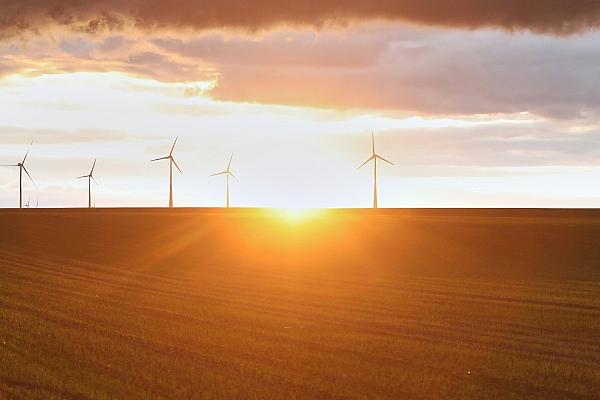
<point x="423" y="71"/>
<point x="556" y="17"/>
<point x="398" y="70"/>
<point x="113" y="53"/>
<point x="525" y="144"/>
<point x="18" y="135"/>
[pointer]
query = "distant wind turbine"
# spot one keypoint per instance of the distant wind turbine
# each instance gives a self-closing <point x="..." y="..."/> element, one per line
<point x="28" y="201"/>
<point x="171" y="162"/>
<point x="90" y="178"/>
<point x="22" y="168"/>
<point x="374" y="157"/>
<point x="227" y="173"/>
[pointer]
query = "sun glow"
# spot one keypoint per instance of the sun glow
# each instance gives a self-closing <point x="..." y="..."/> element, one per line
<point x="295" y="215"/>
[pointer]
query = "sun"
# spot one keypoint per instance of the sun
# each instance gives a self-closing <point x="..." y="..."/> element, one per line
<point x="296" y="215"/>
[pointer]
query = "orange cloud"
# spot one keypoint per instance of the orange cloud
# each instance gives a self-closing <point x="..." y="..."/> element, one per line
<point x="543" y="16"/>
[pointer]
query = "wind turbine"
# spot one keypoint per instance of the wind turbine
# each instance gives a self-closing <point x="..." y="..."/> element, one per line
<point x="227" y="173"/>
<point x="90" y="178"/>
<point x="374" y="157"/>
<point x="171" y="162"/>
<point x="22" y="168"/>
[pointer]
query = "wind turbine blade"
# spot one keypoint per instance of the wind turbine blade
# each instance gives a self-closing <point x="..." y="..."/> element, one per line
<point x="81" y="177"/>
<point x="373" y="142"/>
<point x="383" y="159"/>
<point x="174" y="162"/>
<point x="229" y="165"/>
<point x="93" y="166"/>
<point x="27" y="172"/>
<point x="365" y="163"/>
<point x="11" y="165"/>
<point x="26" y="154"/>
<point x="233" y="176"/>
<point x="94" y="179"/>
<point x="159" y="159"/>
<point x="173" y="148"/>
<point x="220" y="173"/>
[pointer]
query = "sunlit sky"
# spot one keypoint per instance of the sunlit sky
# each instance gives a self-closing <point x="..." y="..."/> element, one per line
<point x="473" y="114"/>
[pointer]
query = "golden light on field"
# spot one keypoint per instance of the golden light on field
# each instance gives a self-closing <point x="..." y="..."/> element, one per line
<point x="297" y="215"/>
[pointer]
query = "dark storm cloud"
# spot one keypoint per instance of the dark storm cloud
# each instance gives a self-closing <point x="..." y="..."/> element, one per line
<point x="543" y="16"/>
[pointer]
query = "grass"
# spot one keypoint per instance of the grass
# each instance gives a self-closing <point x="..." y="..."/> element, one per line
<point x="345" y="304"/>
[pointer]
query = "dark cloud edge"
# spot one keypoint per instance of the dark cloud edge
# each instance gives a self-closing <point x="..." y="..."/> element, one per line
<point x="19" y="18"/>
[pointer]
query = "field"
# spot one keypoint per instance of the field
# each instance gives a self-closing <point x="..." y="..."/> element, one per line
<point x="338" y="304"/>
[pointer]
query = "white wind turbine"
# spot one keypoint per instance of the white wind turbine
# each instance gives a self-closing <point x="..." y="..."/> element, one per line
<point x="22" y="169"/>
<point x="90" y="178"/>
<point x="171" y="163"/>
<point x="227" y="173"/>
<point x="374" y="157"/>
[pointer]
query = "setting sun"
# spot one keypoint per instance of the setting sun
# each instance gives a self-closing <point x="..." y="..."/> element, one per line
<point x="298" y="215"/>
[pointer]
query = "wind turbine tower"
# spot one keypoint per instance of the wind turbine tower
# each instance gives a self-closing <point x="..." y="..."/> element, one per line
<point x="90" y="178"/>
<point x="171" y="163"/>
<point x="227" y="174"/>
<point x="22" y="169"/>
<point x="374" y="157"/>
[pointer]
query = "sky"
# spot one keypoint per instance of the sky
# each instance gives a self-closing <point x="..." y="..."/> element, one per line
<point x="478" y="103"/>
